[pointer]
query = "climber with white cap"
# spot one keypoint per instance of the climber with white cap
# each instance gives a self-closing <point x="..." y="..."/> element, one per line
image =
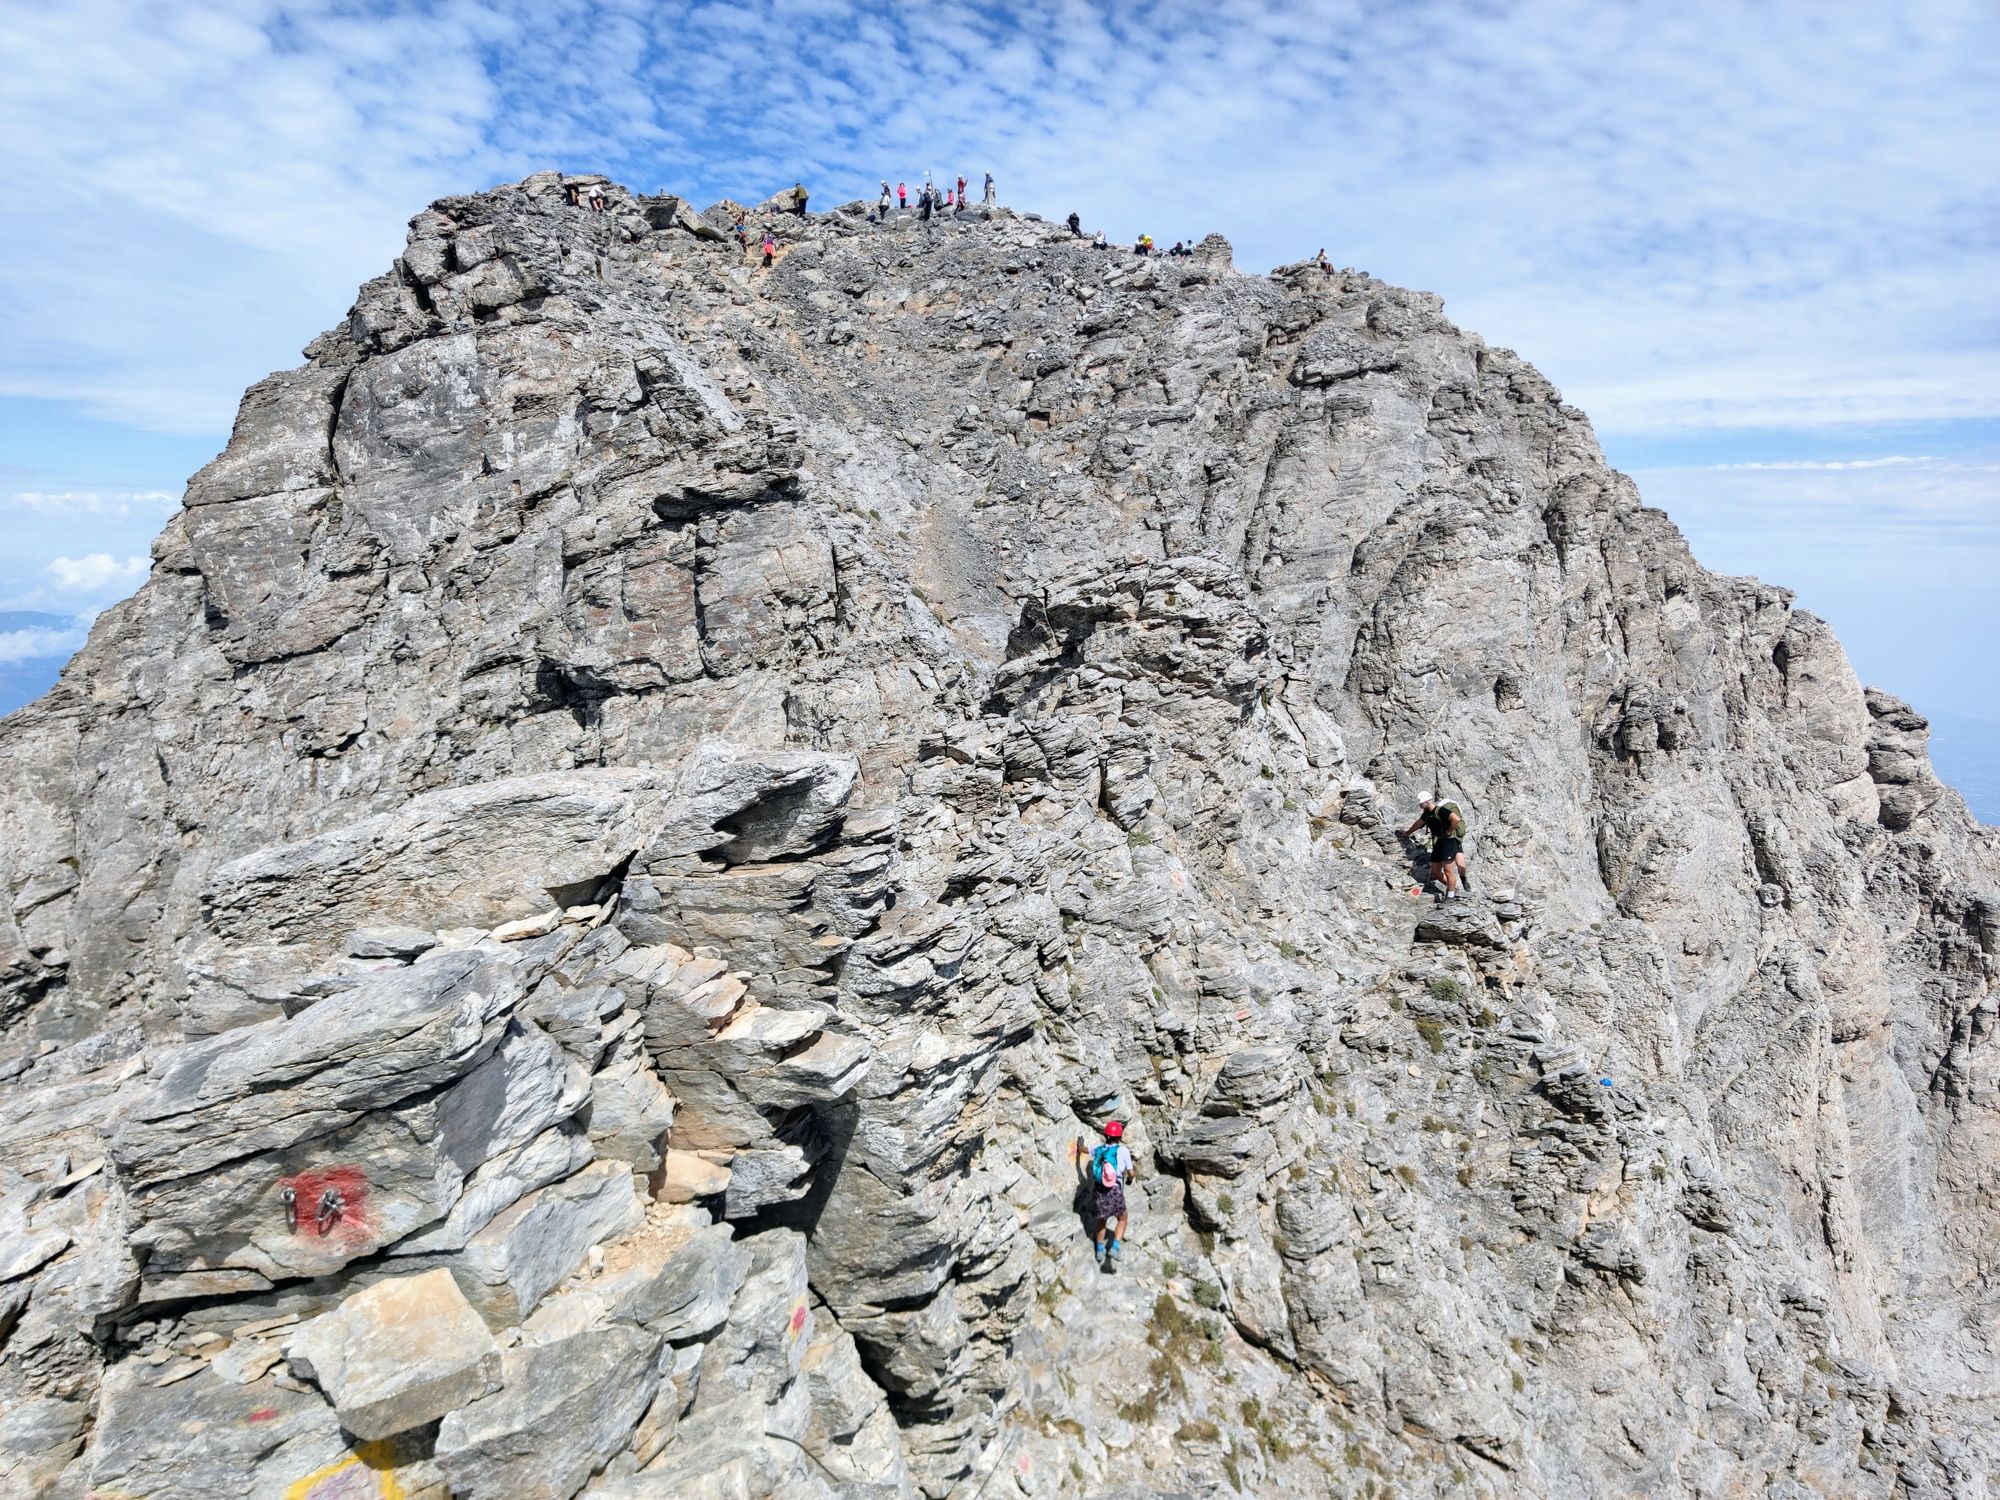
<point x="1446" y="826"/>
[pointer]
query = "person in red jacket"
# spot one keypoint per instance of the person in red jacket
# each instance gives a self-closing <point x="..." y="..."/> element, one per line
<point x="902" y="197"/>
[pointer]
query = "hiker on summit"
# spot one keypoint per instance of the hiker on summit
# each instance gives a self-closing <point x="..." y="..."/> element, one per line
<point x="799" y="196"/>
<point x="1100" y="243"/>
<point x="989" y="188"/>
<point x="1325" y="265"/>
<point x="902" y="197"/>
<point x="597" y="197"/>
<point x="1110" y="1168"/>
<point x="1446" y="826"/>
<point x="1075" y="222"/>
<point x="882" y="208"/>
<point x="961" y="190"/>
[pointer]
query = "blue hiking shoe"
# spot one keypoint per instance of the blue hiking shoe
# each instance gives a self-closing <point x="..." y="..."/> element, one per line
<point x="1114" y="1249"/>
<point x="1100" y="1252"/>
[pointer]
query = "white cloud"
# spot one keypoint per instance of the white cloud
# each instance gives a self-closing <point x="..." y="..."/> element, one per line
<point x="1692" y="216"/>
<point x="92" y="502"/>
<point x="39" y="643"/>
<point x="1835" y="465"/>
<point x="97" y="573"/>
<point x="1882" y="506"/>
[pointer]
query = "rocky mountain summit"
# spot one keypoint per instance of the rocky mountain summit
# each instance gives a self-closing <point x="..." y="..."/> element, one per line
<point x="566" y="939"/>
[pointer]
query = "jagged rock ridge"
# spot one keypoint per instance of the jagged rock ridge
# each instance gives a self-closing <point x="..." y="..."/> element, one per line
<point x="648" y="804"/>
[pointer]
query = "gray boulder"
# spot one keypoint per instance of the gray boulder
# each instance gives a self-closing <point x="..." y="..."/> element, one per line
<point x="398" y="1354"/>
<point x="563" y="1410"/>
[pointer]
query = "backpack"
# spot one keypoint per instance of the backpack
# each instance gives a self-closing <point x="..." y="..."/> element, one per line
<point x="1104" y="1166"/>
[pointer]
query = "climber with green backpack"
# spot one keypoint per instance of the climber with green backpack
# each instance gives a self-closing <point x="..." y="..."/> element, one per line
<point x="1446" y="826"/>
<point x="1108" y="1169"/>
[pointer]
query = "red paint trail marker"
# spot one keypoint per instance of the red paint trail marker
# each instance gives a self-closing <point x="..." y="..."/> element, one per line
<point x="350" y="1221"/>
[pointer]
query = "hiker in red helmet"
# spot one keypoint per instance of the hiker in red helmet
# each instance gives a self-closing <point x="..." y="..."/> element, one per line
<point x="1110" y="1168"/>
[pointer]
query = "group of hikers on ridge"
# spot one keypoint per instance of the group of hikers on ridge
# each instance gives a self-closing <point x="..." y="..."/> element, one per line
<point x="1143" y="245"/>
<point x="953" y="199"/>
<point x="931" y="199"/>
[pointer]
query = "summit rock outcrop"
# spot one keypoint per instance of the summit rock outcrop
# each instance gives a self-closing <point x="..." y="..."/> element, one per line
<point x="648" y="804"/>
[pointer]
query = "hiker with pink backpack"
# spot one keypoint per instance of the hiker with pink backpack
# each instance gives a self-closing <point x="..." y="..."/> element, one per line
<point x="1109" y="1169"/>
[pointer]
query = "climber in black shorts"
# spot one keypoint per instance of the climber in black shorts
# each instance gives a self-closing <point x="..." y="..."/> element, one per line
<point x="1446" y="826"/>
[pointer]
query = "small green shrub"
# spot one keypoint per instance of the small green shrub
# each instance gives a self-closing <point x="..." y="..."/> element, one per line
<point x="1207" y="1293"/>
<point x="1447" y="989"/>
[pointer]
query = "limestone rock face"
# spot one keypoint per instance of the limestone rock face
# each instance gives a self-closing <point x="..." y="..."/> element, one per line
<point x="398" y="1354"/>
<point x="661" y="804"/>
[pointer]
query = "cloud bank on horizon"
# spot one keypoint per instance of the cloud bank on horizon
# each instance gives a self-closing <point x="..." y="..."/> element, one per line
<point x="1734" y="234"/>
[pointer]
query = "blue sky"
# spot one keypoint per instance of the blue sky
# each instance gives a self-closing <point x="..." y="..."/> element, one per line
<point x="1759" y="243"/>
